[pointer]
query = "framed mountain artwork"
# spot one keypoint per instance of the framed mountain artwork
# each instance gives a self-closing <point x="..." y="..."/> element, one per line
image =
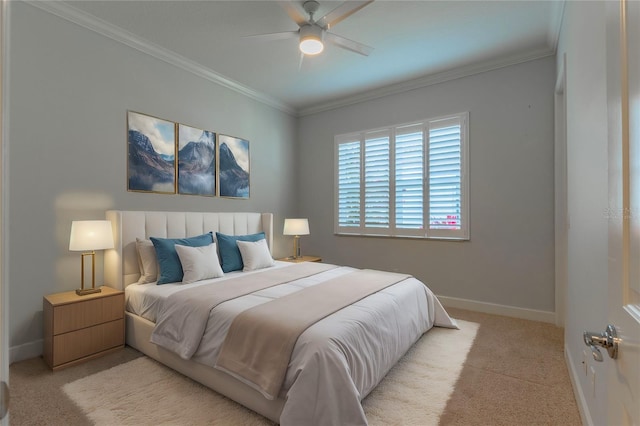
<point x="151" y="152"/>
<point x="233" y="167"/>
<point x="196" y="161"/>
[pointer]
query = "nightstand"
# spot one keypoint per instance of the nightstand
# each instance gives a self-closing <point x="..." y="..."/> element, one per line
<point x="302" y="259"/>
<point x="79" y="328"/>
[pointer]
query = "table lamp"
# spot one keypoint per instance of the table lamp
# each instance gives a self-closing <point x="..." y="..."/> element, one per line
<point x="88" y="236"/>
<point x="296" y="227"/>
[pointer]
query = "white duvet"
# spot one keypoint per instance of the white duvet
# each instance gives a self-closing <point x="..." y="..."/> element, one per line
<point x="337" y="361"/>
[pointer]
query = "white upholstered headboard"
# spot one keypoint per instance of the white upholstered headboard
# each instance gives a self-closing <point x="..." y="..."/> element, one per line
<point x="121" y="263"/>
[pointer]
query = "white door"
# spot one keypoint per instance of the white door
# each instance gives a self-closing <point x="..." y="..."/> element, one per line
<point x="623" y="93"/>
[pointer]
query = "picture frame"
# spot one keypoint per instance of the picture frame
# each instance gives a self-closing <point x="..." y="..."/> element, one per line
<point x="234" y="171"/>
<point x="196" y="161"/>
<point x="151" y="154"/>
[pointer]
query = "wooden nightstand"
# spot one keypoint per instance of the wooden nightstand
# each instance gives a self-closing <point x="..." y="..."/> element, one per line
<point x="302" y="259"/>
<point x="79" y="328"/>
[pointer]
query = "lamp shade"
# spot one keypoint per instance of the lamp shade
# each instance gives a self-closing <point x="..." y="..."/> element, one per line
<point x="311" y="40"/>
<point x="296" y="227"/>
<point x="89" y="235"/>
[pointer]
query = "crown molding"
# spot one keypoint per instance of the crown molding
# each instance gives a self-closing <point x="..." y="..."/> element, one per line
<point x="555" y="25"/>
<point x="90" y="22"/>
<point x="427" y="80"/>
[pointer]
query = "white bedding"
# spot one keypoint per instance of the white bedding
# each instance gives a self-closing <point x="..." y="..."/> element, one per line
<point x="337" y="361"/>
<point x="145" y="299"/>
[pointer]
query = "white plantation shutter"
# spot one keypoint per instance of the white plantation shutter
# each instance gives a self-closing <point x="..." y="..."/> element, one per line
<point x="409" y="177"/>
<point x="447" y="185"/>
<point x="444" y="175"/>
<point x="349" y="184"/>
<point x="408" y="180"/>
<point x="376" y="180"/>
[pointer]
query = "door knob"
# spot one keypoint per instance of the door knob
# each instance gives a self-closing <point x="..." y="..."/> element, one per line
<point x="608" y="340"/>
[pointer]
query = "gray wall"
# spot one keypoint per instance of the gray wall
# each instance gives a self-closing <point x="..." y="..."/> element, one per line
<point x="510" y="257"/>
<point x="70" y="89"/>
<point x="583" y="41"/>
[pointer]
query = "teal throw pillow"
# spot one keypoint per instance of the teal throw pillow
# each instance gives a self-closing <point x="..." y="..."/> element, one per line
<point x="168" y="260"/>
<point x="229" y="251"/>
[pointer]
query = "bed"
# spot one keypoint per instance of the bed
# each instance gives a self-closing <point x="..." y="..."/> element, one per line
<point x="335" y="362"/>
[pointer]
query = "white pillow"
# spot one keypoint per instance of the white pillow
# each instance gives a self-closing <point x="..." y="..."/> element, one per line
<point x="147" y="261"/>
<point x="255" y="254"/>
<point x="199" y="263"/>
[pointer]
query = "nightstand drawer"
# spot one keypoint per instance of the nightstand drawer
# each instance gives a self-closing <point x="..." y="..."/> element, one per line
<point x="88" y="341"/>
<point x="75" y="316"/>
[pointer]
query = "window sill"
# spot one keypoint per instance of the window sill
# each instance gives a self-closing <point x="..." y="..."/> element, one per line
<point x="409" y="237"/>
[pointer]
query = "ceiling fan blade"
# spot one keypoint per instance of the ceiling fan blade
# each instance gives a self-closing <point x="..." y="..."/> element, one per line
<point x="345" y="43"/>
<point x="274" y="36"/>
<point x="342" y="12"/>
<point x="293" y="12"/>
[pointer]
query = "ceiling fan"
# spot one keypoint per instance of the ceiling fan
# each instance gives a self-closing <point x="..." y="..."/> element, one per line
<point x="313" y="33"/>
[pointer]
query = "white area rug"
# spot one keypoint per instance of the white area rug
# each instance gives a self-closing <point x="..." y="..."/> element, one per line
<point x="143" y="392"/>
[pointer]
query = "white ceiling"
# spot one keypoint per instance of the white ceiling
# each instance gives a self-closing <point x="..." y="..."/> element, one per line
<point x="415" y="42"/>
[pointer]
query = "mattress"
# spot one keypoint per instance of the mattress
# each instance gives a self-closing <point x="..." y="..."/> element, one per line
<point x="337" y="361"/>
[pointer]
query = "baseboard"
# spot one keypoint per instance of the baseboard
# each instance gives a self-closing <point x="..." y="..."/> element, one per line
<point x="581" y="401"/>
<point x="34" y="349"/>
<point x="492" y="308"/>
<point x="25" y="351"/>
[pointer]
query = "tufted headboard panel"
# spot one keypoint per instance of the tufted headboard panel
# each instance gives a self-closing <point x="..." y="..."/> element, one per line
<point x="121" y="262"/>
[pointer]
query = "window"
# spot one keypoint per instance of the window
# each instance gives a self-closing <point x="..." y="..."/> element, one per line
<point x="409" y="180"/>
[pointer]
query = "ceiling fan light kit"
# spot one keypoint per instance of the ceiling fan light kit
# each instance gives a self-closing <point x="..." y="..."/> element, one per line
<point x="311" y="40"/>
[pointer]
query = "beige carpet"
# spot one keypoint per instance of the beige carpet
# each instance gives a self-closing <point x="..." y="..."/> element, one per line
<point x="143" y="392"/>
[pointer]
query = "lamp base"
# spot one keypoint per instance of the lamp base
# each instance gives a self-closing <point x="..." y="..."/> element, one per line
<point x="85" y="291"/>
